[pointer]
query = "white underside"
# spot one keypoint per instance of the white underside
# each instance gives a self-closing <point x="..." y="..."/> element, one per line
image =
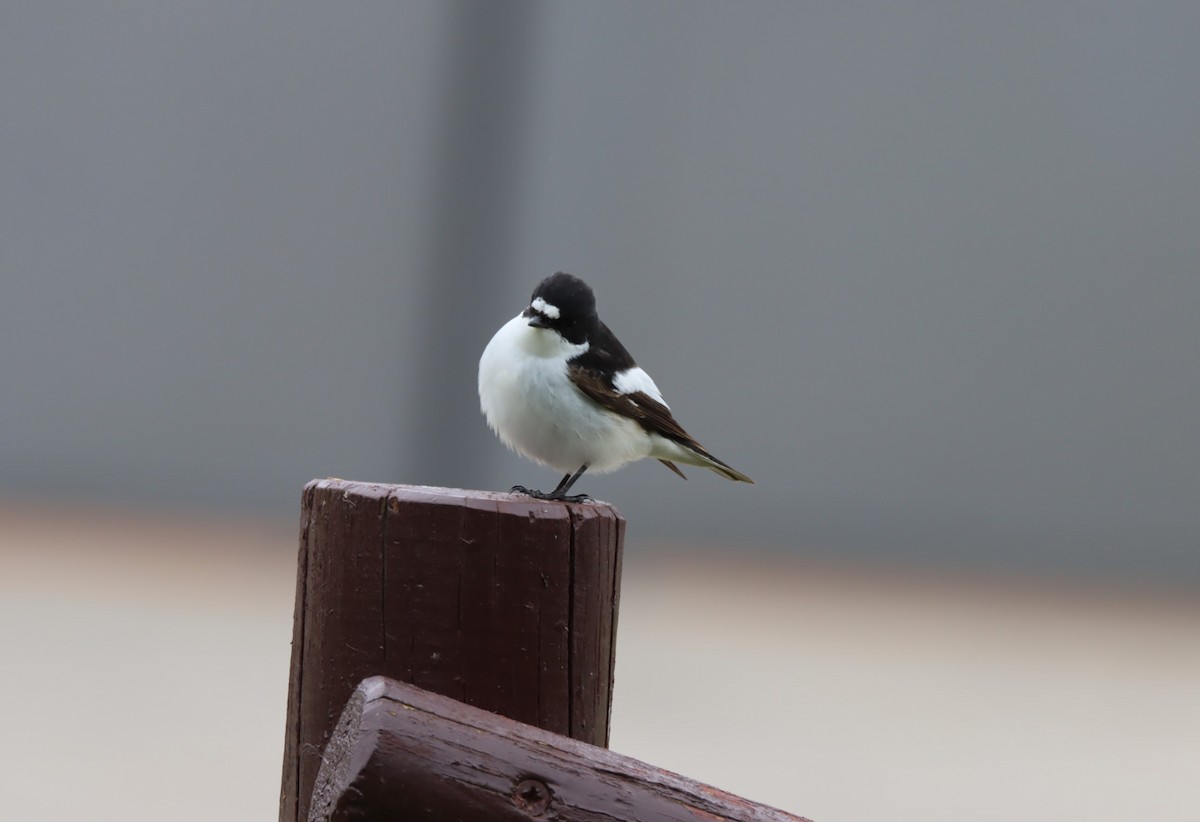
<point x="536" y="410"/>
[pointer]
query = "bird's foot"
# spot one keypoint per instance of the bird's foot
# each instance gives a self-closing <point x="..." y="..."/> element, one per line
<point x="573" y="498"/>
<point x="549" y="496"/>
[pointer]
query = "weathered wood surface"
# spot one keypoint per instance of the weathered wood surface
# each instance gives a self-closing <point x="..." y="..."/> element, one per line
<point x="495" y="600"/>
<point x="402" y="753"/>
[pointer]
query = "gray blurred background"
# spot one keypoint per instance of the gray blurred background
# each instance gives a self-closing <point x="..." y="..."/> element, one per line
<point x="927" y="271"/>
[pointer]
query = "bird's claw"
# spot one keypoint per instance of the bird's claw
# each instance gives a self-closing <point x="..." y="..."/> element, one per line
<point x="573" y="498"/>
<point x="549" y="496"/>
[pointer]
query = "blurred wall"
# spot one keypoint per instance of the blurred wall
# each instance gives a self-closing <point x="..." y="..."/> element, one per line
<point x="928" y="271"/>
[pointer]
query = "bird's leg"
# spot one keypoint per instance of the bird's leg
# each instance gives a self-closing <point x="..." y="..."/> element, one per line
<point x="563" y="487"/>
<point x="559" y="492"/>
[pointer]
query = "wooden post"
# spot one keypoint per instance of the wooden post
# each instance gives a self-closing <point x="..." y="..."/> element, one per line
<point x="403" y="753"/>
<point x="499" y="601"/>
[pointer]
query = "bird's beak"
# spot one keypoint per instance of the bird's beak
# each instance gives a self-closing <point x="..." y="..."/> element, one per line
<point x="539" y="321"/>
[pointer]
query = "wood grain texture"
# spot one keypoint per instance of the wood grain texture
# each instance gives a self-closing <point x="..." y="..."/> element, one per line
<point x="402" y="753"/>
<point x="496" y="600"/>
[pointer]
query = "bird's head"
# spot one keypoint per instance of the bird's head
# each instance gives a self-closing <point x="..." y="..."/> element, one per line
<point x="564" y="304"/>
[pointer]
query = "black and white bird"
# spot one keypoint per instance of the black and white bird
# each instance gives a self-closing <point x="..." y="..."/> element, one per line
<point x="560" y="389"/>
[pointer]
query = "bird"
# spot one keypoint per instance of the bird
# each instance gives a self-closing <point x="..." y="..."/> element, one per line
<point x="557" y="387"/>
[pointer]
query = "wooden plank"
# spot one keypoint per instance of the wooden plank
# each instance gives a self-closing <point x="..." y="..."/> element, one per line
<point x="342" y="611"/>
<point x="593" y="613"/>
<point x="465" y="593"/>
<point x="402" y="753"/>
<point x="290" y="784"/>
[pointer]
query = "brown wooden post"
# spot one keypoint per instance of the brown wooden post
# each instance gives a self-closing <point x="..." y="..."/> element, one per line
<point x="499" y="601"/>
<point x="403" y="753"/>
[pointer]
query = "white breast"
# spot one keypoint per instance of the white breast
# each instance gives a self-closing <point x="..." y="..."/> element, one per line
<point x="533" y="406"/>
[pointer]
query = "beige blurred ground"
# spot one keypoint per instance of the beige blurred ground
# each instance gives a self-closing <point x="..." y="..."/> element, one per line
<point x="145" y="660"/>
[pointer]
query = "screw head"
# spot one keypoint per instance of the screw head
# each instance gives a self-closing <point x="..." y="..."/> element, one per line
<point x="532" y="796"/>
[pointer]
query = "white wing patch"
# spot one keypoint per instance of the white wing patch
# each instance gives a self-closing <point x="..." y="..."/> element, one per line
<point x="635" y="379"/>
<point x="542" y="307"/>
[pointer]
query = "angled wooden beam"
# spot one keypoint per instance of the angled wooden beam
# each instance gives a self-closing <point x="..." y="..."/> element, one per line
<point x="499" y="601"/>
<point x="399" y="752"/>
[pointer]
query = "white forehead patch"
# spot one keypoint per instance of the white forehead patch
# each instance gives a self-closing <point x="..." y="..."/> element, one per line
<point x="542" y="307"/>
<point x="632" y="380"/>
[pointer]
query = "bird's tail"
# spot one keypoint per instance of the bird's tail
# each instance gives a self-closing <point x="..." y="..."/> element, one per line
<point x="714" y="464"/>
<point x="695" y="455"/>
